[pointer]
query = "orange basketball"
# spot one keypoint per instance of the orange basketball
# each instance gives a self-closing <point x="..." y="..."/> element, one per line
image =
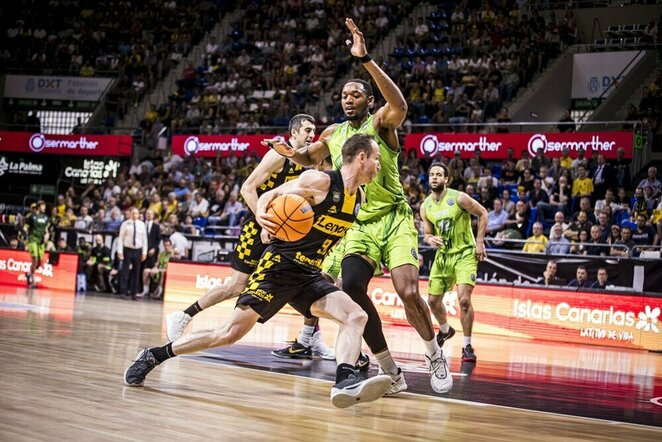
<point x="293" y="216"/>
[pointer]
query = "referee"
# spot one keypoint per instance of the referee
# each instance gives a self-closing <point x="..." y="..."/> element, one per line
<point x="131" y="251"/>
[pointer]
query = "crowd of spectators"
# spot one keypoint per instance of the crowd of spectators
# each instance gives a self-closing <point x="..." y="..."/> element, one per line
<point x="136" y="41"/>
<point x="277" y="61"/>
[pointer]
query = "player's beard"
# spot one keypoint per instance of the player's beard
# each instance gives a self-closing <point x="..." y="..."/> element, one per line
<point x="356" y="116"/>
<point x="438" y="188"/>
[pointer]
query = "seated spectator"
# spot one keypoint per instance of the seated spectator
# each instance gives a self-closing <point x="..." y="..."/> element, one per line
<point x="581" y="224"/>
<point x="508" y="203"/>
<point x="98" y="264"/>
<point x="558" y="244"/>
<point x="641" y="205"/>
<point x="644" y="234"/>
<point x="578" y="246"/>
<point x="496" y="218"/>
<point x="603" y="175"/>
<point x="548" y="181"/>
<point x="537" y="242"/>
<point x="624" y="244"/>
<point x="559" y="218"/>
<point x="559" y="201"/>
<point x="116" y="220"/>
<point x="581" y="160"/>
<point x="156" y="273"/>
<point x="509" y="175"/>
<point x="99" y="221"/>
<point x="540" y="160"/>
<point x="188" y="228"/>
<point x="84" y="221"/>
<point x="527" y="180"/>
<point x="583" y="185"/>
<point x="614" y="235"/>
<point x="179" y="242"/>
<point x="604" y="223"/>
<point x="602" y="281"/>
<point x="537" y="194"/>
<point x="199" y="207"/>
<point x="549" y="275"/>
<point x="595" y="246"/>
<point x="607" y="201"/>
<point x="652" y="181"/>
<point x="585" y="206"/>
<point x="581" y="278"/>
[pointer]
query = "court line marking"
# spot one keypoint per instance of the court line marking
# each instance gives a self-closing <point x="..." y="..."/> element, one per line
<point x="193" y="357"/>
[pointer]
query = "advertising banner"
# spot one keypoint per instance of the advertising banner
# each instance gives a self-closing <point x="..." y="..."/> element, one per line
<point x="223" y="145"/>
<point x="525" y="312"/>
<point x="495" y="146"/>
<point x="85" y="171"/>
<point x="42" y="87"/>
<point x="83" y="145"/>
<point x="593" y="73"/>
<point x="14" y="264"/>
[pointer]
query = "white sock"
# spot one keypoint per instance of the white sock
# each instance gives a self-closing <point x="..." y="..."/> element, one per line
<point x="431" y="347"/>
<point x="386" y="362"/>
<point x="467" y="340"/>
<point x="444" y="327"/>
<point x="305" y="334"/>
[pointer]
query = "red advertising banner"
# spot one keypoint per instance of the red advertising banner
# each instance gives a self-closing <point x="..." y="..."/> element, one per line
<point x="557" y="315"/>
<point x="15" y="263"/>
<point x="495" y="146"/>
<point x="81" y="145"/>
<point x="224" y="145"/>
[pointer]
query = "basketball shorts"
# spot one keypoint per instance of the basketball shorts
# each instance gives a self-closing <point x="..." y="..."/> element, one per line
<point x="36" y="250"/>
<point x="277" y="281"/>
<point x="249" y="248"/>
<point x="456" y="268"/>
<point x="332" y="262"/>
<point x="391" y="239"/>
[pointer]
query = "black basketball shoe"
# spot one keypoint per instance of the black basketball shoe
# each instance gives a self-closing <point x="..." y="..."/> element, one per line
<point x="468" y="354"/>
<point x="363" y="363"/>
<point x="134" y="376"/>
<point x="294" y="351"/>
<point x="443" y="337"/>
<point x="353" y="390"/>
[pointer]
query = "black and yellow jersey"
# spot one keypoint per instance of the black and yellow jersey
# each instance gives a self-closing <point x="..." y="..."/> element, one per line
<point x="333" y="218"/>
<point x="289" y="172"/>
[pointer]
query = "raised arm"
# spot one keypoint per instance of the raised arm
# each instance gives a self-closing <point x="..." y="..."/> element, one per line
<point x="475" y="208"/>
<point x="311" y="185"/>
<point x="271" y="162"/>
<point x="394" y="112"/>
<point x="305" y="156"/>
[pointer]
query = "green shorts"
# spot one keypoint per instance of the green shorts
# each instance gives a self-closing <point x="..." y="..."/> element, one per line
<point x="36" y="250"/>
<point x="391" y="239"/>
<point x="332" y="263"/>
<point x="447" y="270"/>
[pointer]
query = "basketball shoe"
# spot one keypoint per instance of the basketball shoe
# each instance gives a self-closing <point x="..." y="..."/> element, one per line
<point x="319" y="348"/>
<point x="443" y="337"/>
<point x="134" y="376"/>
<point x="176" y="323"/>
<point x="295" y="350"/>
<point x="398" y="383"/>
<point x="468" y="354"/>
<point x="441" y="380"/>
<point x="363" y="363"/>
<point x="352" y="390"/>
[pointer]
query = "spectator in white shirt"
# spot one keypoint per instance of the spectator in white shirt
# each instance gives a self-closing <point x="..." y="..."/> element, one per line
<point x="199" y="207"/>
<point x="131" y="251"/>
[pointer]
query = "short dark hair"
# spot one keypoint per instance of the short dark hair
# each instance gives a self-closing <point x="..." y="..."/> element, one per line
<point x="581" y="267"/>
<point x="297" y="121"/>
<point x="356" y="144"/>
<point x="366" y="86"/>
<point x="443" y="167"/>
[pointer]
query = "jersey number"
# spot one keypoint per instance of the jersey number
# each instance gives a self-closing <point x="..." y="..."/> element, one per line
<point x="325" y="247"/>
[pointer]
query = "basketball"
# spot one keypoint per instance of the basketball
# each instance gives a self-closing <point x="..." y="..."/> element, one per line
<point x="293" y="216"/>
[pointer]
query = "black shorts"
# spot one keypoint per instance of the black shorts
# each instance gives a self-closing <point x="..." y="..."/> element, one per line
<point x="249" y="248"/>
<point x="277" y="282"/>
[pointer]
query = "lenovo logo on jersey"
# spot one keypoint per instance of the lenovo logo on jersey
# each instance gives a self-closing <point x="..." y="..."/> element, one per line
<point x="332" y="226"/>
<point x="39" y="142"/>
<point x="193" y="145"/>
<point x="540" y="141"/>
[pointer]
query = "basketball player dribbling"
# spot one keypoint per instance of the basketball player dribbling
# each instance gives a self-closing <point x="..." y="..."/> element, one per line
<point x="384" y="231"/>
<point x="290" y="272"/>
<point x="272" y="171"/>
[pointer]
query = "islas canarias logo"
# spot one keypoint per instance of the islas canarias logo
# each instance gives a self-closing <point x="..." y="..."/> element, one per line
<point x="645" y="320"/>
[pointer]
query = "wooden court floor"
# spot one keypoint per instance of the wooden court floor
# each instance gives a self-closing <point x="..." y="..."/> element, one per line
<point x="62" y="359"/>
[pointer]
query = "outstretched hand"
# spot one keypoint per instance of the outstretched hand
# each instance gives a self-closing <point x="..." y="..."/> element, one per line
<point x="279" y="146"/>
<point x="358" y="45"/>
